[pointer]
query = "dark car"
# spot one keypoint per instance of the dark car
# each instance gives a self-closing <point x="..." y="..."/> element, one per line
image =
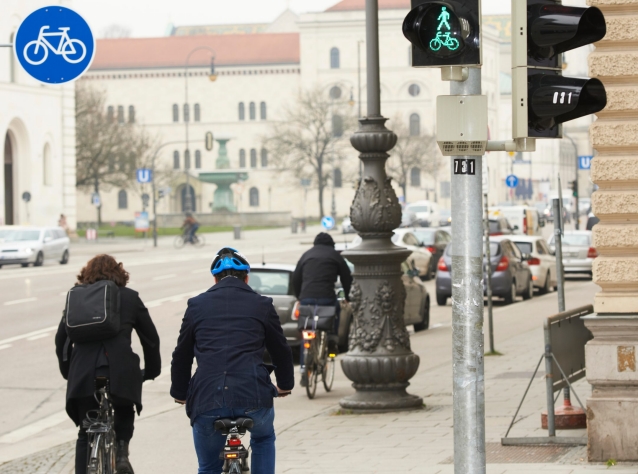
<point x="511" y="275"/>
<point x="435" y="241"/>
<point x="500" y="226"/>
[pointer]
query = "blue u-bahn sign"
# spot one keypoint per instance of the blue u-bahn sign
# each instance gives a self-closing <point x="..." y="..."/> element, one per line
<point x="54" y="45"/>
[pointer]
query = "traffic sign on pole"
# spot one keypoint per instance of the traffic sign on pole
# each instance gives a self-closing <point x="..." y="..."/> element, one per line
<point x="95" y="200"/>
<point x="54" y="45"/>
<point x="584" y="162"/>
<point x="328" y="222"/>
<point x="144" y="175"/>
<point x="511" y="181"/>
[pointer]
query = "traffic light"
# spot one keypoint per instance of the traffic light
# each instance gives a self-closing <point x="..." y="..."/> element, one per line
<point x="444" y="33"/>
<point x="574" y="187"/>
<point x="542" y="99"/>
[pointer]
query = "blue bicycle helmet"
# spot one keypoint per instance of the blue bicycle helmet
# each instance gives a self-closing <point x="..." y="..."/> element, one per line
<point x="229" y="258"/>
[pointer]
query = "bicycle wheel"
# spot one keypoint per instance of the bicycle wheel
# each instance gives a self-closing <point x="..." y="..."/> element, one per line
<point x="110" y="453"/>
<point x="96" y="455"/>
<point x="199" y="241"/>
<point x="32" y="58"/>
<point x="435" y="44"/>
<point x="328" y="374"/>
<point x="179" y="242"/>
<point x="311" y="387"/>
<point x="73" y="51"/>
<point x="234" y="467"/>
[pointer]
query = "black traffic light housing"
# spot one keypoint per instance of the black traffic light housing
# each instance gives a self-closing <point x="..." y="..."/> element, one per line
<point x="444" y="32"/>
<point x="542" y="98"/>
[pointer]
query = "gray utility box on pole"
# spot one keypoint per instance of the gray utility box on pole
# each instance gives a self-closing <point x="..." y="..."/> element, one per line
<point x="461" y="124"/>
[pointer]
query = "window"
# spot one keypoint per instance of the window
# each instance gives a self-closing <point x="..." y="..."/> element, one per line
<point x="242" y="111"/>
<point x="196" y="111"/>
<point x="270" y="282"/>
<point x="262" y="111"/>
<point x="131" y="114"/>
<point x="198" y="159"/>
<point x="187" y="159"/>
<point x="175" y="113"/>
<point x="415" y="177"/>
<point x="338" y="178"/>
<point x="337" y="126"/>
<point x="253" y="197"/>
<point x="46" y="165"/>
<point x="187" y="113"/>
<point x="335" y="92"/>
<point x="120" y="114"/>
<point x="176" y="160"/>
<point x="109" y="113"/>
<point x="242" y="158"/>
<point x="122" y="199"/>
<point x="334" y="58"/>
<point x="414" y="90"/>
<point x="415" y="125"/>
<point x="264" y="158"/>
<point x="252" y="111"/>
<point x="253" y="158"/>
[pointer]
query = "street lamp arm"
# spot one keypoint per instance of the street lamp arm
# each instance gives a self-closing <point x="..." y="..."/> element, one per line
<point x="199" y="48"/>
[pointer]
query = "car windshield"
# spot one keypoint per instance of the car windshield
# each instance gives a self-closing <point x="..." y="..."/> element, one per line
<point x="425" y="237"/>
<point x="269" y="282"/>
<point x="418" y="208"/>
<point x="576" y="240"/>
<point x="19" y="235"/>
<point x="494" y="227"/>
<point x="525" y="247"/>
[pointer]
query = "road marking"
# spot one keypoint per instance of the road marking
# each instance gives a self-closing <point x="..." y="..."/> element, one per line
<point x="24" y="300"/>
<point x="164" y="277"/>
<point x="5" y="346"/>
<point x="34" y="428"/>
<point x="27" y="335"/>
<point x="39" y="336"/>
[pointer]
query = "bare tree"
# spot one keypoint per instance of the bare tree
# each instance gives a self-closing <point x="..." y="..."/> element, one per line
<point x="311" y="138"/>
<point x="108" y="148"/>
<point x="116" y="31"/>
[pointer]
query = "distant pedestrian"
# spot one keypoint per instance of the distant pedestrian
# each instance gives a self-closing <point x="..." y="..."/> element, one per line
<point x="62" y="223"/>
<point x="81" y="362"/>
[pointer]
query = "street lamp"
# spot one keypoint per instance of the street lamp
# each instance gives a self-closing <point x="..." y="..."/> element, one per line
<point x="188" y="205"/>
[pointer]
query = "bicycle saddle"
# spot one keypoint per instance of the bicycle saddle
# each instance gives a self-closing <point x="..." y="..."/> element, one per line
<point x="226" y="424"/>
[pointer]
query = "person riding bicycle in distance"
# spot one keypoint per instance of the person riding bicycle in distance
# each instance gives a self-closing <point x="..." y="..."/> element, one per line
<point x="227" y="329"/>
<point x="315" y="276"/>
<point x="190" y="227"/>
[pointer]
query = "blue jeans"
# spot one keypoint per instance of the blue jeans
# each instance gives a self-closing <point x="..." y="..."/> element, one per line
<point x="320" y="302"/>
<point x="209" y="443"/>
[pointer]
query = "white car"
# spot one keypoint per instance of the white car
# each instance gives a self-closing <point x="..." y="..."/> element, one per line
<point x="427" y="213"/>
<point x="33" y="245"/>
<point x="541" y="261"/>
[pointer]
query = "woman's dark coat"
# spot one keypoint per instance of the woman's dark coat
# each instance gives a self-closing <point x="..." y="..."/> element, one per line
<point x="125" y="374"/>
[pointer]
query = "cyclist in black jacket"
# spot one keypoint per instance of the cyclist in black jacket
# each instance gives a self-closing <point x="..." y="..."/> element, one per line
<point x="315" y="277"/>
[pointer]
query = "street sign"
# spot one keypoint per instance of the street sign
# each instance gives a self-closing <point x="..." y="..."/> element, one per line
<point x="511" y="181"/>
<point x="145" y="199"/>
<point x="26" y="196"/>
<point x="584" y="162"/>
<point x="328" y="223"/>
<point x="208" y="138"/>
<point x="305" y="183"/>
<point x="54" y="45"/>
<point x="144" y="175"/>
<point x="142" y="223"/>
<point x="95" y="200"/>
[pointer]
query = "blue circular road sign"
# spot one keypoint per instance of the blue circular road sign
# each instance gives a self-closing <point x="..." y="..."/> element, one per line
<point x="511" y="181"/>
<point x="328" y="223"/>
<point x="54" y="45"/>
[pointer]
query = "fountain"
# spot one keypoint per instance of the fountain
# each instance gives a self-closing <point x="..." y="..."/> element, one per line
<point x="223" y="199"/>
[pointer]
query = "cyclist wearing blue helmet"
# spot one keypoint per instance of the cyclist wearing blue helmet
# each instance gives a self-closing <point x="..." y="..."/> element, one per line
<point x="227" y="329"/>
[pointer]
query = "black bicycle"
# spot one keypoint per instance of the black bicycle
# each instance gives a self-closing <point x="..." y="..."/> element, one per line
<point x="197" y="241"/>
<point x="234" y="454"/>
<point x="99" y="428"/>
<point x="317" y="360"/>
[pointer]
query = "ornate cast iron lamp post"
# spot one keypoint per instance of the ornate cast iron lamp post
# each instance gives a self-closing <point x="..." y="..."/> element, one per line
<point x="379" y="359"/>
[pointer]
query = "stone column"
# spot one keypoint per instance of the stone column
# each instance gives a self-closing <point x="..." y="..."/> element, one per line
<point x="612" y="410"/>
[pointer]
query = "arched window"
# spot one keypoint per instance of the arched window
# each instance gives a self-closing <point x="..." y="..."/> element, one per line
<point x="415" y="125"/>
<point x="242" y="111"/>
<point x="131" y="114"/>
<point x="335" y="92"/>
<point x="242" y="158"/>
<point x="120" y="114"/>
<point x="252" y="111"/>
<point x="253" y="158"/>
<point x="176" y="160"/>
<point x="334" y="58"/>
<point x="337" y="126"/>
<point x="414" y="90"/>
<point x="415" y="177"/>
<point x="253" y="197"/>
<point x="264" y="158"/>
<point x="46" y="165"/>
<point x="109" y="114"/>
<point x="338" y="178"/>
<point x="12" y="61"/>
<point x="122" y="199"/>
<point x="262" y="110"/>
<point x="175" y="113"/>
<point x="198" y="159"/>
<point x="187" y="113"/>
<point x="187" y="159"/>
<point x="188" y="194"/>
<point x="196" y="112"/>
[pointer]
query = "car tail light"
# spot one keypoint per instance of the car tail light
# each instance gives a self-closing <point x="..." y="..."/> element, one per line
<point x="295" y="312"/>
<point x="431" y="249"/>
<point x="494" y="234"/>
<point x="503" y="264"/>
<point x="442" y="265"/>
<point x="592" y="253"/>
<point x="534" y="261"/>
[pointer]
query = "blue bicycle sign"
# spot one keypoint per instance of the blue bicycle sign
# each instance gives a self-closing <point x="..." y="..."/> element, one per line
<point x="54" y="45"/>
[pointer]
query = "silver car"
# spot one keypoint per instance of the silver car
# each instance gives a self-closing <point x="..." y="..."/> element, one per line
<point x="33" y="245"/>
<point x="578" y="251"/>
<point x="541" y="262"/>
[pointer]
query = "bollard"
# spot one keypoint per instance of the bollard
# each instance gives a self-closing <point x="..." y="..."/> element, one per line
<point x="293" y="226"/>
<point x="237" y="232"/>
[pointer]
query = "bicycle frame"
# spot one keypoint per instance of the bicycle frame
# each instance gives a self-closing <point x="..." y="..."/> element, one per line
<point x="63" y="34"/>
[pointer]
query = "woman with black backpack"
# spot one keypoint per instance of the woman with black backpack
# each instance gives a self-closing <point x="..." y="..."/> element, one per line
<point x="88" y="347"/>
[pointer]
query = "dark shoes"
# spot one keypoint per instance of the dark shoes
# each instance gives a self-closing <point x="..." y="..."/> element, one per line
<point x="122" y="464"/>
<point x="304" y="379"/>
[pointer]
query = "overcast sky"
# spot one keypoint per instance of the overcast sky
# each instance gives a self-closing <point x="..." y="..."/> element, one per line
<point x="152" y="17"/>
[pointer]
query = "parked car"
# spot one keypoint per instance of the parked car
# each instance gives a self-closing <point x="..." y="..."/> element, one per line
<point x="446" y="217"/>
<point x="578" y="251"/>
<point x="511" y="275"/>
<point x="433" y="239"/>
<point x="541" y="262"/>
<point x="427" y="212"/>
<point x="500" y="226"/>
<point x="33" y="245"/>
<point x="346" y="226"/>
<point x="524" y="220"/>
<point x="408" y="219"/>
<point x="584" y="205"/>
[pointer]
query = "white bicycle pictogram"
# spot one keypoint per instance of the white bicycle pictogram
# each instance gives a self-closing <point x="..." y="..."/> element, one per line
<point x="65" y="48"/>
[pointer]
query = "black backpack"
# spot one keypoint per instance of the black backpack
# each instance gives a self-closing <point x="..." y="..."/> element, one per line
<point x="92" y="312"/>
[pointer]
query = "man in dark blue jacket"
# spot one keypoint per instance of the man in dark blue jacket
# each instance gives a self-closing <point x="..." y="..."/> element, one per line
<point x="227" y="329"/>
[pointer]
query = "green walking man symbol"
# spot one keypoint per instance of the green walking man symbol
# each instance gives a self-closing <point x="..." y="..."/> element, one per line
<point x="444" y="17"/>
